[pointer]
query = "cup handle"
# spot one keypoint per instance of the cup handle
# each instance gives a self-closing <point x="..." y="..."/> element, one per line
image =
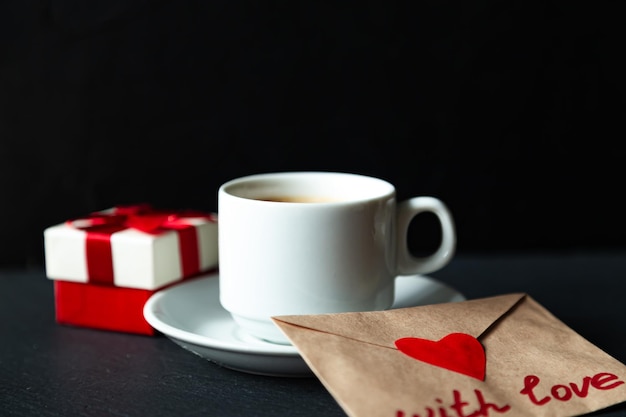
<point x="407" y="263"/>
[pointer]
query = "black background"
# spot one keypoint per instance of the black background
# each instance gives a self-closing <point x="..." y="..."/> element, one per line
<point x="510" y="112"/>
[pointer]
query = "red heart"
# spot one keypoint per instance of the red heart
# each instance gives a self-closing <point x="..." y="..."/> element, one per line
<point x="458" y="352"/>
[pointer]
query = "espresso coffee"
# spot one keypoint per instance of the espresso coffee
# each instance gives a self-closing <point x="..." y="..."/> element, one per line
<point x="298" y="199"/>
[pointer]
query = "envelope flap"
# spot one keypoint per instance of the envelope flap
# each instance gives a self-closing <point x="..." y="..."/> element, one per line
<point x="383" y="328"/>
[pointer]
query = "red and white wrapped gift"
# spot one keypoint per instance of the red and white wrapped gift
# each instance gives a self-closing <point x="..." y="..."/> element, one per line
<point x="107" y="264"/>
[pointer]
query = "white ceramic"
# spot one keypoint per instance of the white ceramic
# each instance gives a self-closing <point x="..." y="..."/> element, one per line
<point x="339" y="253"/>
<point x="191" y="315"/>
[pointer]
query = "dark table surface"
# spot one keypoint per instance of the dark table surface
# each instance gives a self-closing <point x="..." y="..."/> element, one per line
<point x="52" y="370"/>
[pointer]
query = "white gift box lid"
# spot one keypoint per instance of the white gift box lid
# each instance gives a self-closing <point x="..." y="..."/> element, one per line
<point x="140" y="260"/>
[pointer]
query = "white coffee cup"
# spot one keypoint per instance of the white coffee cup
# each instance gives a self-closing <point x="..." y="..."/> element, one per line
<point x="317" y="242"/>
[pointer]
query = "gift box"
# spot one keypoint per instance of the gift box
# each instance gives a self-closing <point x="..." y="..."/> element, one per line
<point x="107" y="264"/>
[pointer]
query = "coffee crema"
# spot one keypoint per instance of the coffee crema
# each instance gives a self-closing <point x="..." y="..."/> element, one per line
<point x="298" y="199"/>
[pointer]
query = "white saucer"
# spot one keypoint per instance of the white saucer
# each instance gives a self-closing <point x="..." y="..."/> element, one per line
<point x="191" y="315"/>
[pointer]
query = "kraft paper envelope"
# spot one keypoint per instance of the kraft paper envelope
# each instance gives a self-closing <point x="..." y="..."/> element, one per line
<point x="498" y="356"/>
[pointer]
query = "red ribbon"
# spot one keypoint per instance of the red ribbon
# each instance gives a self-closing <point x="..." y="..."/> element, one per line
<point x="101" y="225"/>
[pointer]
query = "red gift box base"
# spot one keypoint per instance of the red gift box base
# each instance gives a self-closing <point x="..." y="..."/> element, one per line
<point x="102" y="307"/>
